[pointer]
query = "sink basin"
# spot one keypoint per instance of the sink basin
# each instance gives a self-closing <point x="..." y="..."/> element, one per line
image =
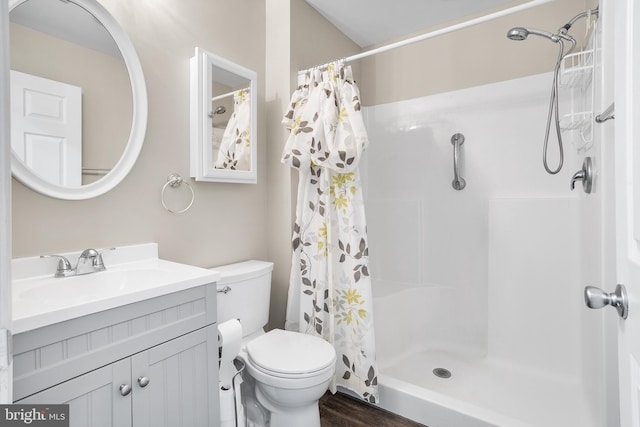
<point x="42" y="300"/>
<point x="90" y="287"/>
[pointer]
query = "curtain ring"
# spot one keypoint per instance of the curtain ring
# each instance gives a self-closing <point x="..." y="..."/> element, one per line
<point x="174" y="180"/>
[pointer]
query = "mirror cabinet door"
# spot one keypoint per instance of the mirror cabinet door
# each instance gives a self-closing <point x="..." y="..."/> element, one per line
<point x="223" y="120"/>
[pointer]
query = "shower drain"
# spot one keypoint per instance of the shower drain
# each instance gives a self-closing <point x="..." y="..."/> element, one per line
<point x="442" y="373"/>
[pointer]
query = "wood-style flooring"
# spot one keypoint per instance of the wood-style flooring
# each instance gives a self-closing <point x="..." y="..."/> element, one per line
<point x="340" y="410"/>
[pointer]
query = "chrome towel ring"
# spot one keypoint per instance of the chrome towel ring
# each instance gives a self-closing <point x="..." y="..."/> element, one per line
<point x="174" y="180"/>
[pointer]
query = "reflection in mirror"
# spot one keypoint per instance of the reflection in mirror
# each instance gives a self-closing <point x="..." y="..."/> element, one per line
<point x="231" y="107"/>
<point x="78" y="99"/>
<point x="71" y="96"/>
<point x="223" y="109"/>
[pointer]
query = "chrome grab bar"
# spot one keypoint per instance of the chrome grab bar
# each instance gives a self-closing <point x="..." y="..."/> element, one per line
<point x="458" y="182"/>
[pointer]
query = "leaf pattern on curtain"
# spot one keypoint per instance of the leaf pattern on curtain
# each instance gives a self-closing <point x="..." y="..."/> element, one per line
<point x="235" y="147"/>
<point x="330" y="288"/>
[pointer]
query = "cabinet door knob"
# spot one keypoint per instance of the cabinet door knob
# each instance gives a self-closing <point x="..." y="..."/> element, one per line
<point x="143" y="381"/>
<point x="125" y="389"/>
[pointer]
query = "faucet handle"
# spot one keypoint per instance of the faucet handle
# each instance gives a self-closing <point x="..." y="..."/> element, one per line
<point x="99" y="263"/>
<point x="585" y="175"/>
<point x="64" y="266"/>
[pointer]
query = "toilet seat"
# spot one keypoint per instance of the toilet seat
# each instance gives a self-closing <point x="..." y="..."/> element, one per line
<point x="286" y="354"/>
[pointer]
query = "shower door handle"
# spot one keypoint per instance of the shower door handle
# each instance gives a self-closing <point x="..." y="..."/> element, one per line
<point x="597" y="298"/>
<point x="458" y="182"/>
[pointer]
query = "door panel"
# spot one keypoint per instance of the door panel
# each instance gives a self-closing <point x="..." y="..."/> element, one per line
<point x="46" y="127"/>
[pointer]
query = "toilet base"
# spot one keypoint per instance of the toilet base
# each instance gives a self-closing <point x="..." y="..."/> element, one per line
<point x="306" y="415"/>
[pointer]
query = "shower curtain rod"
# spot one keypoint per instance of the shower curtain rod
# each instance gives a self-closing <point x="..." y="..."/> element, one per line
<point x="435" y="33"/>
<point x="224" y="95"/>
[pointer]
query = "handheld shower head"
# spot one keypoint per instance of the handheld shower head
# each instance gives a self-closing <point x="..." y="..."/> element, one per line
<point x="521" y="33"/>
<point x="517" y="33"/>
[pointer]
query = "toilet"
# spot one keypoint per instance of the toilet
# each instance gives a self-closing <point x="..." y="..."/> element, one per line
<point x="291" y="370"/>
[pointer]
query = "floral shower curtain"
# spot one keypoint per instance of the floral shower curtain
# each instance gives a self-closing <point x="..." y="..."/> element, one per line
<point x="330" y="288"/>
<point x="235" y="147"/>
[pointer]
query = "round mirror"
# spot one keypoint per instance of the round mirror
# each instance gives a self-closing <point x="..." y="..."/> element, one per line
<point x="78" y="98"/>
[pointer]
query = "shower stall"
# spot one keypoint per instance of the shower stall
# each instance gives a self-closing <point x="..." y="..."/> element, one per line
<point x="478" y="302"/>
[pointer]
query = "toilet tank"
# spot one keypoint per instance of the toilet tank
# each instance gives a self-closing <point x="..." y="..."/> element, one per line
<point x="244" y="292"/>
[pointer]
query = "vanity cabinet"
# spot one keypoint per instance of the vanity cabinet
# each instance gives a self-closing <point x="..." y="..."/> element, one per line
<point x="148" y="364"/>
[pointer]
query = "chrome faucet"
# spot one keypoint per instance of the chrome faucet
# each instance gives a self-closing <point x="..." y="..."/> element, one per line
<point x="89" y="261"/>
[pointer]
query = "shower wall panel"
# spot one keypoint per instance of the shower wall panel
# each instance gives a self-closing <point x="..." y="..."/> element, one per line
<point x="534" y="284"/>
<point x="473" y="249"/>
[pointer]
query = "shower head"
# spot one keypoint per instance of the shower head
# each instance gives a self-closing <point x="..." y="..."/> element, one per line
<point x="220" y="110"/>
<point x="517" y="33"/>
<point x="521" y="33"/>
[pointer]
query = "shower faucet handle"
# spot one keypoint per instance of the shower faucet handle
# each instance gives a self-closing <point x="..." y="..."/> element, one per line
<point x="585" y="175"/>
<point x="578" y="176"/>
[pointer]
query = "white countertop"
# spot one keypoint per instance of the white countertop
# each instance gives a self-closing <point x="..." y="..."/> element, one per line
<point x="133" y="273"/>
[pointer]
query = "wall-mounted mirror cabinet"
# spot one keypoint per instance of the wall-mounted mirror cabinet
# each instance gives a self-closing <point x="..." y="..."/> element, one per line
<point x="78" y="98"/>
<point x="223" y="120"/>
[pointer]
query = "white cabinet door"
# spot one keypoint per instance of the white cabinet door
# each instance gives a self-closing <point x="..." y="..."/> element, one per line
<point x="94" y="398"/>
<point x="46" y="127"/>
<point x="182" y="389"/>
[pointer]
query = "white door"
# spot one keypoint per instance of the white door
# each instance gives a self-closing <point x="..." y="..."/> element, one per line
<point x="46" y="127"/>
<point x="627" y="177"/>
<point x="5" y="210"/>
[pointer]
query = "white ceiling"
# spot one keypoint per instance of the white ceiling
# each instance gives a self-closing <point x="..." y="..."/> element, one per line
<point x="369" y="22"/>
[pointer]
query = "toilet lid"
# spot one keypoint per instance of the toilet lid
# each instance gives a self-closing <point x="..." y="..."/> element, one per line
<point x="287" y="352"/>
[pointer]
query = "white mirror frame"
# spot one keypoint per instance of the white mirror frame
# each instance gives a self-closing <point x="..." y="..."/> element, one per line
<point x="201" y="129"/>
<point x="138" y="123"/>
